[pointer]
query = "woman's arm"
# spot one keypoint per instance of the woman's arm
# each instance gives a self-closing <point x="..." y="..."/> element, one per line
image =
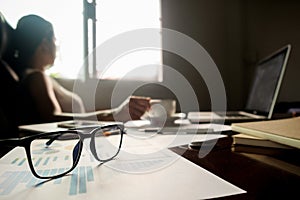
<point x="41" y="91"/>
<point x="44" y="95"/>
<point x="69" y="101"/>
<point x="131" y="109"/>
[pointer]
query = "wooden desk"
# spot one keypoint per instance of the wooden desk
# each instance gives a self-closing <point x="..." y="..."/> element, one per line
<point x="262" y="176"/>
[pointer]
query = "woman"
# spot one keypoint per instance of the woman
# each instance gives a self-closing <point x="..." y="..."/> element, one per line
<point x="42" y="98"/>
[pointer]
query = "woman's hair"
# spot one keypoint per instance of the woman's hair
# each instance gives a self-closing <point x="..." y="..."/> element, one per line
<point x="5" y="31"/>
<point x="2" y="34"/>
<point x="29" y="33"/>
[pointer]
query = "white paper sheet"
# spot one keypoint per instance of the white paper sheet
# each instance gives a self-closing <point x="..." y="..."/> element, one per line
<point x="55" y="126"/>
<point x="183" y="125"/>
<point x="143" y="170"/>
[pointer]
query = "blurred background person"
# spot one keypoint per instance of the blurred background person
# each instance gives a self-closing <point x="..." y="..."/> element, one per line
<point x="42" y="99"/>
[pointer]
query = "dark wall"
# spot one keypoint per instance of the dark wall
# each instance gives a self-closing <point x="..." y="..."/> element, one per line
<point x="217" y="26"/>
<point x="270" y="25"/>
<point x="237" y="34"/>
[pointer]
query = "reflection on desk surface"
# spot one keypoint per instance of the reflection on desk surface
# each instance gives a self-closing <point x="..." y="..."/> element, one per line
<point x="263" y="176"/>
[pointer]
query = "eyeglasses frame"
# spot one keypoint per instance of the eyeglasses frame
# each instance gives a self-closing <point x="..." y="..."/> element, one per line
<point x="26" y="141"/>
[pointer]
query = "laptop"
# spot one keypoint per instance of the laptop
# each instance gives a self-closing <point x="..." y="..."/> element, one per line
<point x="262" y="96"/>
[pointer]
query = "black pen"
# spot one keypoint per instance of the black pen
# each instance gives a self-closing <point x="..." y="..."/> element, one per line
<point x="83" y="127"/>
<point x="172" y="130"/>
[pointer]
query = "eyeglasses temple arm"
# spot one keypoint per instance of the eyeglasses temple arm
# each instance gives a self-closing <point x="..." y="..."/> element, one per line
<point x="11" y="142"/>
<point x="49" y="142"/>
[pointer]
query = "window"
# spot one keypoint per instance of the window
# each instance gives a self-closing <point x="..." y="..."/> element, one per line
<point x="66" y="18"/>
<point x="118" y="16"/>
<point x="113" y="17"/>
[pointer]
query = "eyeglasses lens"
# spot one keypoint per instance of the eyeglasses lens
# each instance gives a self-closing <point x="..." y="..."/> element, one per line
<point x="107" y="143"/>
<point x="55" y="154"/>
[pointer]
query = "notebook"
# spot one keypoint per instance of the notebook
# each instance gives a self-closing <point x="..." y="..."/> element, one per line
<point x="263" y="92"/>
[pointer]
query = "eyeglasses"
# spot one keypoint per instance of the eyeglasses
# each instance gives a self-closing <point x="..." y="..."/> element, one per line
<point x="105" y="143"/>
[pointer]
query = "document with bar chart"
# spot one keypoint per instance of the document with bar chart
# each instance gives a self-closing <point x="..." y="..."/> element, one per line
<point x="112" y="180"/>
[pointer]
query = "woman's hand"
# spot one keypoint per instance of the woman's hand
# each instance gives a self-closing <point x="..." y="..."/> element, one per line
<point x="132" y="108"/>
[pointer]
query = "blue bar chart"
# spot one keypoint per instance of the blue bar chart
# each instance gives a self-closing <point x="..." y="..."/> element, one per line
<point x="10" y="180"/>
<point x="47" y="162"/>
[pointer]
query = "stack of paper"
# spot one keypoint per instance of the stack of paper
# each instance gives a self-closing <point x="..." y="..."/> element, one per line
<point x="284" y="131"/>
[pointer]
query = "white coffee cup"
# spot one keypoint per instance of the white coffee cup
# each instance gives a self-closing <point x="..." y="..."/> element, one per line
<point x="162" y="108"/>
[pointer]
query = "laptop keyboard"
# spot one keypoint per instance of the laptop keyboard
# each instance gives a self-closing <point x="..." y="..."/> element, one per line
<point x="232" y="115"/>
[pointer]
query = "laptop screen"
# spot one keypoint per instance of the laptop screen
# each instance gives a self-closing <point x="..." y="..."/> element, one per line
<point x="266" y="83"/>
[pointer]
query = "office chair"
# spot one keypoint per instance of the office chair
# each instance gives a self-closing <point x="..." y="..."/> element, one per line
<point x="8" y="85"/>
